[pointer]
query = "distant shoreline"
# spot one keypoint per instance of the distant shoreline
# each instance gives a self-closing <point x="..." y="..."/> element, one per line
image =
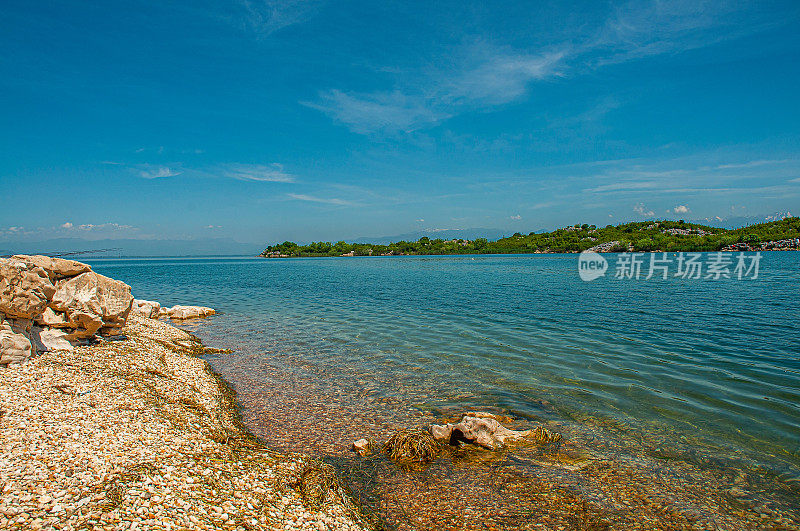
<point x="520" y="254"/>
<point x="649" y="236"/>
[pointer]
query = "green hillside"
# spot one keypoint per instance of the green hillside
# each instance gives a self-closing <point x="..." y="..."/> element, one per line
<point x="640" y="236"/>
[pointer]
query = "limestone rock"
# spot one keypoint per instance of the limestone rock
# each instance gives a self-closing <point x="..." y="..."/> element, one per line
<point x="24" y="289"/>
<point x="90" y="301"/>
<point x="189" y="312"/>
<point x="55" y="267"/>
<point x="52" y="319"/>
<point x="362" y="447"/>
<point x="85" y="324"/>
<point x="483" y="430"/>
<point x="14" y="348"/>
<point x="149" y="309"/>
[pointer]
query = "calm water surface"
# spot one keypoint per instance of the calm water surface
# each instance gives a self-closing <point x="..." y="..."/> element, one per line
<point x="716" y="363"/>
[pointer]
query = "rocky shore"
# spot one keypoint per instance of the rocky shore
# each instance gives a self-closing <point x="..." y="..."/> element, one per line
<point x="138" y="433"/>
<point x="120" y="425"/>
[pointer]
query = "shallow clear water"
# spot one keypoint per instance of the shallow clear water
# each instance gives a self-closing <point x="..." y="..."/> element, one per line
<point x="716" y="362"/>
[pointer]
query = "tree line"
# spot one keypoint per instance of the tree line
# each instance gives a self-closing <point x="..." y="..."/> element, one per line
<point x="646" y="236"/>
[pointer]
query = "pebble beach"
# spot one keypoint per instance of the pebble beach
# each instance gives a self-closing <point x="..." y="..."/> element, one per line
<point x="136" y="432"/>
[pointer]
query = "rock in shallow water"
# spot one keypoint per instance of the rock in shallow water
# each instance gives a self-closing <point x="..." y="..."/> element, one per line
<point x="149" y="309"/>
<point x="483" y="430"/>
<point x="186" y="312"/>
<point x="362" y="447"/>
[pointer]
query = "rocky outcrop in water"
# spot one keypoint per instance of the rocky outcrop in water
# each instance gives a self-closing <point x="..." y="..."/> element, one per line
<point x="47" y="302"/>
<point x="483" y="429"/>
<point x="154" y="310"/>
<point x="187" y="312"/>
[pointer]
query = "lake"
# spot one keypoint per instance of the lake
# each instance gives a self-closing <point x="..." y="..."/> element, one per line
<point x="694" y="379"/>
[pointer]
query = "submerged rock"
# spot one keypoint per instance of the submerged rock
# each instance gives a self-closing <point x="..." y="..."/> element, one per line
<point x="482" y="429"/>
<point x="362" y="447"/>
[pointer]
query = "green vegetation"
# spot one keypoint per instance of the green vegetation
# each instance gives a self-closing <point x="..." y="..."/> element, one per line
<point x="645" y="236"/>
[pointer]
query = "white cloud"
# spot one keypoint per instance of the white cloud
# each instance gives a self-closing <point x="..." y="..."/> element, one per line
<point x="86" y="231"/>
<point x="382" y="111"/>
<point x="645" y="28"/>
<point x="516" y="217"/>
<point x="101" y="227"/>
<point x="751" y="164"/>
<point x="257" y="172"/>
<point x="681" y="209"/>
<point x="630" y="185"/>
<point x="327" y="200"/>
<point x="420" y="220"/>
<point x="157" y="172"/>
<point x="642" y="211"/>
<point x="268" y="16"/>
<point x="484" y="76"/>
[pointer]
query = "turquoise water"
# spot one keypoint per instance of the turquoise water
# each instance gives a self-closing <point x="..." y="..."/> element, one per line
<point x="715" y="361"/>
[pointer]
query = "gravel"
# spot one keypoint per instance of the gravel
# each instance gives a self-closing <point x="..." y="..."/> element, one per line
<point x="140" y="434"/>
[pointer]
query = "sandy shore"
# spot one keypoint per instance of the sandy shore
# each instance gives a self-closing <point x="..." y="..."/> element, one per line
<point x="139" y="434"/>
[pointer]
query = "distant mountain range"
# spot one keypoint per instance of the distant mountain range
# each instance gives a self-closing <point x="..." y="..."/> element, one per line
<point x="741" y="221"/>
<point x="444" y="234"/>
<point x="133" y="247"/>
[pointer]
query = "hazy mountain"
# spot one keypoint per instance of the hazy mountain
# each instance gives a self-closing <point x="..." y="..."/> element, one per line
<point x="444" y="234"/>
<point x="134" y="247"/>
<point x="741" y="221"/>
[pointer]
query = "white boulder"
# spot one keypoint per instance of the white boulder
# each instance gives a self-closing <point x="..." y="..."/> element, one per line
<point x="148" y="309"/>
<point x="483" y="430"/>
<point x="188" y="312"/>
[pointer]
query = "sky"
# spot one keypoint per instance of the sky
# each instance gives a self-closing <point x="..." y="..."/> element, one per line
<point x="266" y="121"/>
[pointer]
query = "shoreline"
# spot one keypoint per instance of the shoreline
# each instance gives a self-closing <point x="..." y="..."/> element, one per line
<point x="139" y="432"/>
<point x="523" y="254"/>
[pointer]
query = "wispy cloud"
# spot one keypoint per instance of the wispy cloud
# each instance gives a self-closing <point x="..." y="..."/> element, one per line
<point x="625" y="185"/>
<point x="265" y="17"/>
<point x="326" y="200"/>
<point x="257" y="172"/>
<point x="681" y="209"/>
<point x="382" y="111"/>
<point x="643" y="211"/>
<point x="88" y="231"/>
<point x="483" y="75"/>
<point x="640" y="29"/>
<point x="486" y="75"/>
<point x="148" y="171"/>
<point x="751" y="164"/>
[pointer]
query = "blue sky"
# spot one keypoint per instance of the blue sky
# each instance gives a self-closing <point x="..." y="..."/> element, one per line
<point x="272" y="120"/>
